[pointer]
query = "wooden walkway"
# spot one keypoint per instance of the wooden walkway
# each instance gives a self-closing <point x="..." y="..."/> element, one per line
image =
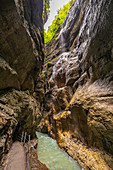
<point x="16" y="158"/>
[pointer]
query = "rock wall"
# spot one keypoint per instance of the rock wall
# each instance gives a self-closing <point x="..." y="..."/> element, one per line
<point x="21" y="60"/>
<point x="21" y="42"/>
<point x="78" y="105"/>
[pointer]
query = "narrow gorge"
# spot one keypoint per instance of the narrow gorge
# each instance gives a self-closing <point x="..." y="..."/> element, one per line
<point x="63" y="89"/>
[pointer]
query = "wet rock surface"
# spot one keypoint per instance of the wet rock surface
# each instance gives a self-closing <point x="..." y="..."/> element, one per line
<point x="79" y="85"/>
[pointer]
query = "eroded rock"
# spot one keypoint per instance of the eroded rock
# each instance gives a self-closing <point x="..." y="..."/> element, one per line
<point x="81" y="120"/>
<point x="19" y="112"/>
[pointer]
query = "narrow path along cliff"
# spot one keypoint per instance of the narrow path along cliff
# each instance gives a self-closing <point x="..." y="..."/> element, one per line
<point x="16" y="158"/>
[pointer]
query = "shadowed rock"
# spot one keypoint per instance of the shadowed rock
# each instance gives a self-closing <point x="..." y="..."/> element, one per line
<point x="21" y="60"/>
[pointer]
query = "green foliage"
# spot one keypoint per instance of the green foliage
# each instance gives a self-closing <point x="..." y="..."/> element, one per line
<point x="46" y="9"/>
<point x="57" y="22"/>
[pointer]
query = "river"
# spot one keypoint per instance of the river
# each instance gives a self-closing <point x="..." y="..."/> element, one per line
<point x="52" y="156"/>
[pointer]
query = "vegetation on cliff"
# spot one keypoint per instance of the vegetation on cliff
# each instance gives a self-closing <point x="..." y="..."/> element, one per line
<point x="57" y="22"/>
<point x="46" y="10"/>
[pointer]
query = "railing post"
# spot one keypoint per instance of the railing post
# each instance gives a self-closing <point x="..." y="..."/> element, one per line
<point x="31" y="155"/>
<point x="22" y="136"/>
<point x="25" y="137"/>
<point x="28" y="154"/>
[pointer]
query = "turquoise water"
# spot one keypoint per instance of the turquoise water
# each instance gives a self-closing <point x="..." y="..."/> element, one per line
<point x="50" y="154"/>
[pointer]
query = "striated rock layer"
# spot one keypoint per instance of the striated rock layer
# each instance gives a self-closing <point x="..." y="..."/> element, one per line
<point x="78" y="105"/>
<point x="21" y="60"/>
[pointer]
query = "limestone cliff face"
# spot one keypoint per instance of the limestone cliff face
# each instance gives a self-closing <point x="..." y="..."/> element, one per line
<point x="21" y="43"/>
<point x="21" y="60"/>
<point x="79" y="85"/>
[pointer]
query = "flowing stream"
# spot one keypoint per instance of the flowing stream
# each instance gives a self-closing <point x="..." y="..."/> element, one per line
<point x="50" y="154"/>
